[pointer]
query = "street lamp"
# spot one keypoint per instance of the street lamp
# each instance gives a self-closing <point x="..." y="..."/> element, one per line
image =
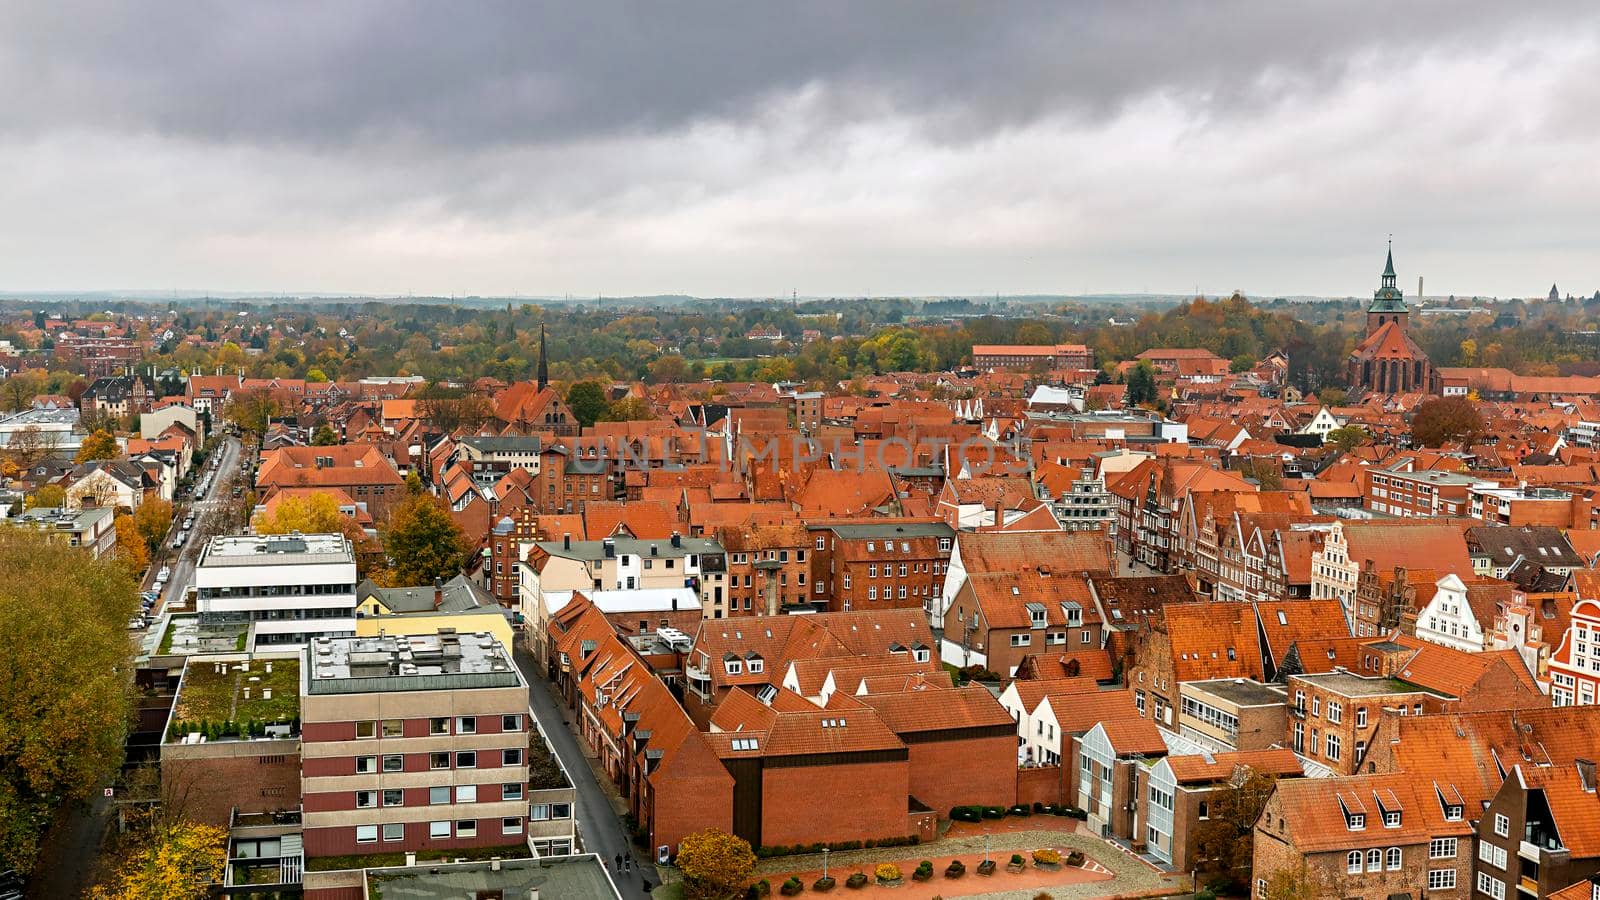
<point x="824" y="862"/>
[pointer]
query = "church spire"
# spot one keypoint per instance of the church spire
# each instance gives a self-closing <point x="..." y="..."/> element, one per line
<point x="1388" y="299"/>
<point x="1388" y="268"/>
<point x="544" y="364"/>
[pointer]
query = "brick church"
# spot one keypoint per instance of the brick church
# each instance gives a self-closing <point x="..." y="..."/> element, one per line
<point x="1388" y="361"/>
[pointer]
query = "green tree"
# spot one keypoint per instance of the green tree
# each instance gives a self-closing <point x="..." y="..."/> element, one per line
<point x="1141" y="384"/>
<point x="587" y="401"/>
<point x="629" y="409"/>
<point x="1225" y="840"/>
<point x="324" y="436"/>
<point x="715" y="864"/>
<point x="423" y="542"/>
<point x="1347" y="438"/>
<point x="68" y="695"/>
<point x="1295" y="882"/>
<point x="100" y="445"/>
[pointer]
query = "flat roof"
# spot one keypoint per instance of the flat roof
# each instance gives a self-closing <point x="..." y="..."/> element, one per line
<point x="1239" y="691"/>
<point x="275" y="550"/>
<point x="1352" y="685"/>
<point x="237" y="688"/>
<point x="553" y="876"/>
<point x="446" y="660"/>
<point x="595" y="550"/>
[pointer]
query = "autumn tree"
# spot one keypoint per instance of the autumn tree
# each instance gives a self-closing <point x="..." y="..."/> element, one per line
<point x="251" y="410"/>
<point x="132" y="551"/>
<point x="1226" y="838"/>
<point x="153" y="519"/>
<point x="29" y="446"/>
<point x="100" y="445"/>
<point x="423" y="542"/>
<point x="1295" y="882"/>
<point x="715" y="864"/>
<point x="1445" y="419"/>
<point x="48" y="496"/>
<point x="67" y="672"/>
<point x="324" y="436"/>
<point x="630" y="409"/>
<point x="587" y="400"/>
<point x="18" y="391"/>
<point x="179" y="861"/>
<point x="306" y="513"/>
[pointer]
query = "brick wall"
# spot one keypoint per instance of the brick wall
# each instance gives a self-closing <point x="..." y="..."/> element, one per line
<point x="962" y="772"/>
<point x="844" y="802"/>
<point x="208" y="780"/>
<point x="1040" y="784"/>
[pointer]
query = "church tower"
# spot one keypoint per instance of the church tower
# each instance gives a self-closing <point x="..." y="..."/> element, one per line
<point x="1388" y="303"/>
<point x="544" y="364"/>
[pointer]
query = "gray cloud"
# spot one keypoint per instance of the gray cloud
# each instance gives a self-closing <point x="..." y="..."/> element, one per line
<point x="832" y="146"/>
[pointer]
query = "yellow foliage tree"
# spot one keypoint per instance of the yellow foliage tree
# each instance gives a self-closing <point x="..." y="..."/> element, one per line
<point x="100" y="445"/>
<point x="176" y="863"/>
<point x="132" y="551"/>
<point x="307" y="514"/>
<point x="715" y="864"/>
<point x="152" y="519"/>
<point x="49" y="496"/>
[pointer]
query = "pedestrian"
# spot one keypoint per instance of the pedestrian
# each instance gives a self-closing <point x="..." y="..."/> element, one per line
<point x="627" y="863"/>
<point x="617" y="863"/>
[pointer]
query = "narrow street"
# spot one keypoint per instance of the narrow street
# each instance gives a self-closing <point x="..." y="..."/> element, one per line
<point x="601" y="829"/>
<point x="182" y="564"/>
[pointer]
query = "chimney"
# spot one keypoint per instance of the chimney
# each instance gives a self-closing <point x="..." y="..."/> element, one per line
<point x="566" y="540"/>
<point x="999" y="513"/>
<point x="533" y="894"/>
<point x="411" y="857"/>
<point x="494" y="863"/>
<point x="609" y="547"/>
<point x="677" y="539"/>
<point x="438" y="592"/>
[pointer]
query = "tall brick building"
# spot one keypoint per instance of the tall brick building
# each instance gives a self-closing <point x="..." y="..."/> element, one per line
<point x="880" y="564"/>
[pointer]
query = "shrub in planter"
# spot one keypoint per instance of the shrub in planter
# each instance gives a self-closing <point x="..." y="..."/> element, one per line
<point x="1076" y="813"/>
<point x="1038" y="807"/>
<point x="887" y="872"/>
<point x="1046" y="856"/>
<point x="986" y="867"/>
<point x="956" y="869"/>
<point x="1205" y="894"/>
<point x="824" y="884"/>
<point x="1075" y="858"/>
<point x="856" y="881"/>
<point x="994" y="812"/>
<point x="924" y="871"/>
<point x="1016" y="864"/>
<point x="1019" y="810"/>
<point x="792" y="887"/>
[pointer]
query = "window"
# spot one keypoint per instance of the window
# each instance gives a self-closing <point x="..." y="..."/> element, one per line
<point x="366" y="765"/>
<point x="438" y="829"/>
<point x="466" y="793"/>
<point x="510" y="723"/>
<point x="1391" y="819"/>
<point x="1502" y="825"/>
<point x="394" y="727"/>
<point x="1494" y="856"/>
<point x="466" y="725"/>
<point x="467" y="759"/>
<point x="734" y="667"/>
<point x="539" y="812"/>
<point x="1392" y="859"/>
<point x="511" y="757"/>
<point x="394" y="797"/>
<point x="1361" y="717"/>
<point x="366" y="731"/>
<point x="1441" y="879"/>
<point x="467" y="828"/>
<point x="513" y="825"/>
<point x="366" y="799"/>
<point x="366" y="834"/>
<point x="1204" y="810"/>
<point x="438" y="760"/>
<point x="1442" y="848"/>
<point x="1316" y="706"/>
<point x="394" y="831"/>
<point x="1335" y="712"/>
<point x="511" y="791"/>
<point x="560" y="810"/>
<point x="1494" y="887"/>
<point x="438" y="795"/>
<point x="1352" y="862"/>
<point x="439" y="726"/>
<point x="1374" y="860"/>
<point x="754" y="665"/>
<point x="394" y="762"/>
<point x="1021" y="640"/>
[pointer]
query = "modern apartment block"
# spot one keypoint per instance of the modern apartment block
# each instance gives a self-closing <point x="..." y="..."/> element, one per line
<point x="289" y="588"/>
<point x="425" y="744"/>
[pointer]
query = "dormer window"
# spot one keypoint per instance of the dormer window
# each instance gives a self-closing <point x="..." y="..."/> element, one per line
<point x="734" y="666"/>
<point x="755" y="664"/>
<point x="1036" y="615"/>
<point x="1391" y="820"/>
<point x="1355" y="821"/>
<point x="1073" y="613"/>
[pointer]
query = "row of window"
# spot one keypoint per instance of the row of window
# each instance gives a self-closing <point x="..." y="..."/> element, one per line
<point x="438" y="725"/>
<point x="1376" y="860"/>
<point x="464" y="759"/>
<point x="462" y="828"/>
<point x="463" y="793"/>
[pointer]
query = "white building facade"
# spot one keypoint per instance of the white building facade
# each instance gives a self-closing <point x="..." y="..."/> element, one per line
<point x="290" y="588"/>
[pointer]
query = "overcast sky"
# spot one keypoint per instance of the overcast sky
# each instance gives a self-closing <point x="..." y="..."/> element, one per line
<point x="830" y="148"/>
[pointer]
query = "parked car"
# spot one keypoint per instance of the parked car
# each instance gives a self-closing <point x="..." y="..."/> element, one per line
<point x="136" y="623"/>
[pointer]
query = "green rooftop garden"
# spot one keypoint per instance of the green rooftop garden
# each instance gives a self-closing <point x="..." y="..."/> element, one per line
<point x="230" y="703"/>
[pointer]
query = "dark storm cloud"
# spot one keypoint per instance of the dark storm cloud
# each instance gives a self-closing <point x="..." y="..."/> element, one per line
<point x="333" y="73"/>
